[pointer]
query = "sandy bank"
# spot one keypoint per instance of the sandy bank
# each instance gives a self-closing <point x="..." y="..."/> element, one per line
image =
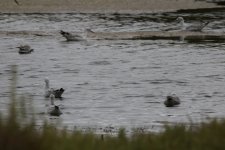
<point x="126" y="6"/>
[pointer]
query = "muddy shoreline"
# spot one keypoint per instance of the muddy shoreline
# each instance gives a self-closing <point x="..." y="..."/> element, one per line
<point x="100" y="6"/>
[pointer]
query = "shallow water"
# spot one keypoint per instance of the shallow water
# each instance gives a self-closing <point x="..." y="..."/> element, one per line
<point x="115" y="83"/>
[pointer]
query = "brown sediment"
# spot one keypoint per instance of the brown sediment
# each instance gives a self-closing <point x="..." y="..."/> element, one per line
<point x="160" y="35"/>
<point x="96" y="6"/>
<point x="136" y="35"/>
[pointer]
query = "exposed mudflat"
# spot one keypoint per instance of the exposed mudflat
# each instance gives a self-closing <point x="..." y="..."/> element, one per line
<point x="100" y="6"/>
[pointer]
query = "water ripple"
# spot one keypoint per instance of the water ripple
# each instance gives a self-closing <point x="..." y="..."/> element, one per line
<point x="100" y="63"/>
<point x="115" y="83"/>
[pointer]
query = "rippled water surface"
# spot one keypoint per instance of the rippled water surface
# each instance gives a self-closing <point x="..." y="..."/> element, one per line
<point x="115" y="83"/>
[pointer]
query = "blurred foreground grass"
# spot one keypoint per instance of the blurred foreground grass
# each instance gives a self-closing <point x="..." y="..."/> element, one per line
<point x="15" y="135"/>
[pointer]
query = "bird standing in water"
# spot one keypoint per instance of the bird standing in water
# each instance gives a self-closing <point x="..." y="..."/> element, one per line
<point x="71" y="37"/>
<point x="54" y="110"/>
<point x="195" y="27"/>
<point x="48" y="91"/>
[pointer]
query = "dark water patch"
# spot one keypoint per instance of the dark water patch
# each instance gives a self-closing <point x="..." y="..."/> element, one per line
<point x="166" y="81"/>
<point x="201" y="10"/>
<point x="107" y="107"/>
<point x="149" y="96"/>
<point x="182" y="83"/>
<point x="57" y="66"/>
<point x="216" y="93"/>
<point x="99" y="89"/>
<point x="219" y="2"/>
<point x="54" y="59"/>
<point x="77" y="107"/>
<point x="80" y="84"/>
<point x="71" y="71"/>
<point x="207" y="110"/>
<point x="208" y="39"/>
<point x="153" y="102"/>
<point x="122" y="43"/>
<point x="210" y="76"/>
<point x="208" y="96"/>
<point x="41" y="71"/>
<point x="103" y="62"/>
<point x="133" y="18"/>
<point x="19" y="87"/>
<point x="117" y="17"/>
<point x="160" y="81"/>
<point x="124" y="61"/>
<point x="132" y="96"/>
<point x="128" y="83"/>
<point x="8" y="71"/>
<point x="27" y="86"/>
<point x="217" y="26"/>
<point x="144" y="68"/>
<point x="131" y="51"/>
<point x="156" y="38"/>
<point x="29" y="69"/>
<point x="33" y="76"/>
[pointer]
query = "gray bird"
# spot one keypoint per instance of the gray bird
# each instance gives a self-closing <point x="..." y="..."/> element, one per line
<point x="182" y="26"/>
<point x="71" y="37"/>
<point x="54" y="110"/>
<point x="25" y="49"/>
<point x="172" y="100"/>
<point x="195" y="28"/>
<point x="48" y="91"/>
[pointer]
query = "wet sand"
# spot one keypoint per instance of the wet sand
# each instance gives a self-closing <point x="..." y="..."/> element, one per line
<point x="103" y="6"/>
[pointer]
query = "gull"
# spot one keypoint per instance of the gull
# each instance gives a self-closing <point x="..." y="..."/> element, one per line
<point x="25" y="49"/>
<point x="71" y="37"/>
<point x="195" y="28"/>
<point x="53" y="110"/>
<point x="172" y="100"/>
<point x="182" y="26"/>
<point x="48" y="91"/>
<point x="90" y="33"/>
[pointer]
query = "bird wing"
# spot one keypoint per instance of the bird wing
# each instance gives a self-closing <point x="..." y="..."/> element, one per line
<point x="197" y="27"/>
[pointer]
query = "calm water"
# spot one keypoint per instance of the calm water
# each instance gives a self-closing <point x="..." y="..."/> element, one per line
<point x="115" y="83"/>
